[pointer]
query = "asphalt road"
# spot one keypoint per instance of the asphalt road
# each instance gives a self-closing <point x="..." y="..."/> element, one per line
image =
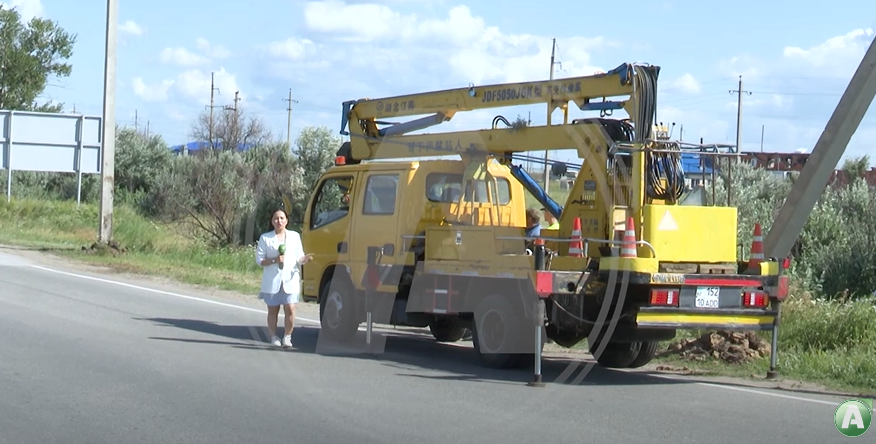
<point x="91" y="361"/>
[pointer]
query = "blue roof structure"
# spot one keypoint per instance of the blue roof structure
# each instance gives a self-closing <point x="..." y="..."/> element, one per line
<point x="690" y="163"/>
<point x="200" y="145"/>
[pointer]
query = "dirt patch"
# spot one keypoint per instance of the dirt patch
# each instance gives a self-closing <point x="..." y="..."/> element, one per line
<point x="729" y="347"/>
<point x="112" y="248"/>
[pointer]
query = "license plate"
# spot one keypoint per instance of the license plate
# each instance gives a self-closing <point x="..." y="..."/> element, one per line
<point x="707" y="297"/>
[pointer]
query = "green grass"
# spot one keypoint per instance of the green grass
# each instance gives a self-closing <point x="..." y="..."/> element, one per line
<point x="150" y="248"/>
<point x="830" y="343"/>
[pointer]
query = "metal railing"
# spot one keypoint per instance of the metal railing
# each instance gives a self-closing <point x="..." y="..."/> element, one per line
<point x="586" y="241"/>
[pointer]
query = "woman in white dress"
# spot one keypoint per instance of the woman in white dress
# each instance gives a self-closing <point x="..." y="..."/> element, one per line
<point x="281" y="274"/>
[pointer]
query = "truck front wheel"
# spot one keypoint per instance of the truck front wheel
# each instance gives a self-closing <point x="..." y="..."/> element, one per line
<point x="337" y="309"/>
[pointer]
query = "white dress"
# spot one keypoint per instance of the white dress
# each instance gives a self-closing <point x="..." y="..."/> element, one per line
<point x="280" y="286"/>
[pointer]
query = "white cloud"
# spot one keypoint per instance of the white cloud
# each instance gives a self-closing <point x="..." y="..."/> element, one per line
<point x="195" y="85"/>
<point x="182" y="57"/>
<point x="834" y="56"/>
<point x="290" y="49"/>
<point x="461" y="47"/>
<point x="213" y="51"/>
<point x="687" y="84"/>
<point x="151" y="93"/>
<point x="27" y="8"/>
<point x="130" y="27"/>
<point x="192" y="86"/>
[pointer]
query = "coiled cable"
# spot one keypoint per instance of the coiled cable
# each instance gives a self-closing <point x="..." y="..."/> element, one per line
<point x="664" y="166"/>
<point x="661" y="165"/>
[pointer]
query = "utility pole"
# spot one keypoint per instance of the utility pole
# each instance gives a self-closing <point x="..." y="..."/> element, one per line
<point x="147" y="129"/>
<point x="761" y="138"/>
<point x="550" y="108"/>
<point x="739" y="92"/>
<point x="136" y="122"/>
<point x="236" y="99"/>
<point x="681" y="133"/>
<point x="289" y="120"/>
<point x="212" y="88"/>
<point x="107" y="158"/>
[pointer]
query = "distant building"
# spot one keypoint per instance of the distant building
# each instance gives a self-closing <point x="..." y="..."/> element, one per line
<point x="190" y="147"/>
<point x="838" y="178"/>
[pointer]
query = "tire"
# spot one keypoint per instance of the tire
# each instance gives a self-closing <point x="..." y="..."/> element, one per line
<point x="445" y="330"/>
<point x="616" y="354"/>
<point x="495" y="333"/>
<point x="337" y="309"/>
<point x="646" y="353"/>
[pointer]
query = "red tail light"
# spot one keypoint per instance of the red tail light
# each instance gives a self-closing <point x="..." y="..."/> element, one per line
<point x="665" y="296"/>
<point x="755" y="299"/>
<point x="786" y="263"/>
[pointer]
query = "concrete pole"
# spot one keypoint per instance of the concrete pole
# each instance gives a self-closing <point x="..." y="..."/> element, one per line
<point x="830" y="147"/>
<point x="109" y="124"/>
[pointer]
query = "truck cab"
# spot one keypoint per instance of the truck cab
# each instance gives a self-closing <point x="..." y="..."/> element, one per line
<point x="390" y="205"/>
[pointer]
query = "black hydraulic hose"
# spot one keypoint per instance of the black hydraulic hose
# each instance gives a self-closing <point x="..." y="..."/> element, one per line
<point x="657" y="165"/>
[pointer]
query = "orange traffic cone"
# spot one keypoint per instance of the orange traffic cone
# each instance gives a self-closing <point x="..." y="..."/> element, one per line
<point x="756" y="256"/>
<point x="628" y="248"/>
<point x="576" y="247"/>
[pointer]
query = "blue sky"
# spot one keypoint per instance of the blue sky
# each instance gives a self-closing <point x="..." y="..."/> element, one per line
<point x="795" y="57"/>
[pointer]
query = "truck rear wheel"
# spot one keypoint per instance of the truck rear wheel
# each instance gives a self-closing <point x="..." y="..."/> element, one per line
<point x="616" y="354"/>
<point x="446" y="330"/>
<point x="495" y="333"/>
<point x="647" y="350"/>
<point x="337" y="309"/>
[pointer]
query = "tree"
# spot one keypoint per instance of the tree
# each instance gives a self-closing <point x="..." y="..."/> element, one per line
<point x="29" y="55"/>
<point x="209" y="190"/>
<point x="315" y="148"/>
<point x="139" y="160"/>
<point x="230" y="129"/>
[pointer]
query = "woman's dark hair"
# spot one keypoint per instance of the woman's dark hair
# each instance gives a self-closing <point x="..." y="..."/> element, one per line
<point x="271" y="219"/>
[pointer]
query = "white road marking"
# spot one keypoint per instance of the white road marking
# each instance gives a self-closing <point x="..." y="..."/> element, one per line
<point x="741" y="389"/>
<point x="363" y="328"/>
<point x="166" y="293"/>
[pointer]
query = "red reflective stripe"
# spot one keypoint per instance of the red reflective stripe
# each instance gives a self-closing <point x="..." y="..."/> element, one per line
<point x="544" y="283"/>
<point x="783" y="288"/>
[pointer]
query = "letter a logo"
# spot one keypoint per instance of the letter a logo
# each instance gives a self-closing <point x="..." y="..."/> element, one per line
<point x="852" y="418"/>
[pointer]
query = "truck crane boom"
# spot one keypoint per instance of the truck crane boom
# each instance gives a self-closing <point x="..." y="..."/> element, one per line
<point x="636" y="84"/>
<point x="633" y="86"/>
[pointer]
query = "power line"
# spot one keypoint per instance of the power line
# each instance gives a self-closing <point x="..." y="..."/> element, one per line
<point x="739" y="92"/>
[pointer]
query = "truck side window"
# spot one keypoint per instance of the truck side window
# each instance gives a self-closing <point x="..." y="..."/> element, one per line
<point x="329" y="205"/>
<point x="447" y="188"/>
<point x="380" y="194"/>
<point x="443" y="188"/>
<point x="504" y="191"/>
